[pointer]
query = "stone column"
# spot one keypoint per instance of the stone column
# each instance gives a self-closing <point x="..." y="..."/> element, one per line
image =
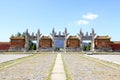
<point x="92" y="45"/>
<point x="92" y="41"/>
<point x="26" y="40"/>
<point x="65" y="34"/>
<point x="38" y="40"/>
<point x="53" y="39"/>
<point x="53" y="43"/>
<point x="80" y="34"/>
<point x="65" y="44"/>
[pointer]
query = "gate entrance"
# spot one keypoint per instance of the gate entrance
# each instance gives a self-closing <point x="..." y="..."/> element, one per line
<point x="59" y="40"/>
<point x="86" y="45"/>
<point x="30" y="39"/>
<point x="87" y="37"/>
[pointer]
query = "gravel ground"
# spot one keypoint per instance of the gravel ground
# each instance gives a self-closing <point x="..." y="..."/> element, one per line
<point x="80" y="68"/>
<point x="110" y="58"/>
<point x="7" y="57"/>
<point x="34" y="69"/>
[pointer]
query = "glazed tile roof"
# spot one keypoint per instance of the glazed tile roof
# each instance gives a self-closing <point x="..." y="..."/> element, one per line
<point x="73" y="37"/>
<point x="17" y="38"/>
<point x="102" y="37"/>
<point x="45" y="37"/>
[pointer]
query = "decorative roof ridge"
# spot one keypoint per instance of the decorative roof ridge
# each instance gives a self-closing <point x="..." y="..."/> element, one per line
<point x="16" y="37"/>
<point x="103" y="37"/>
<point x="46" y="37"/>
<point x="73" y="37"/>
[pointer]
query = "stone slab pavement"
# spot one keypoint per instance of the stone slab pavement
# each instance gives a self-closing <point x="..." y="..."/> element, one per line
<point x="81" y="68"/>
<point x="110" y="58"/>
<point x="7" y="57"/>
<point x="58" y="72"/>
<point x="37" y="68"/>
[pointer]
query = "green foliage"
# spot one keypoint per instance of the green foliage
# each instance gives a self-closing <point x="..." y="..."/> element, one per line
<point x="18" y="34"/>
<point x="23" y="34"/>
<point x="32" y="46"/>
<point x="87" y="47"/>
<point x="12" y="35"/>
<point x="84" y="48"/>
<point x="57" y="49"/>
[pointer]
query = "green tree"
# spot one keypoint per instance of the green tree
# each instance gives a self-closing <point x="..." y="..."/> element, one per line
<point x="23" y="34"/>
<point x="88" y="46"/>
<point x="34" y="46"/>
<point x="84" y="48"/>
<point x="18" y="34"/>
<point x="30" y="45"/>
<point x="12" y="35"/>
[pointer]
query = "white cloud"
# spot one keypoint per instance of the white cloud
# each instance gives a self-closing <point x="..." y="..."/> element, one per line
<point x="85" y="19"/>
<point x="90" y="16"/>
<point x="82" y="22"/>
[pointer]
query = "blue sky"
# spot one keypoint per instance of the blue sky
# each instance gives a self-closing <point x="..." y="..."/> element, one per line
<point x="18" y="15"/>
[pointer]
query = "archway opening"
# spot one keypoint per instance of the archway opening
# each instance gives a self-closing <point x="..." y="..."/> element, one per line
<point x="59" y="44"/>
<point x="86" y="45"/>
<point x="32" y="44"/>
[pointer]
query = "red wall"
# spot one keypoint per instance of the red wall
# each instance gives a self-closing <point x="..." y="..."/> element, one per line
<point x="17" y="42"/>
<point x="74" y="43"/>
<point x="4" y="46"/>
<point x="44" y="43"/>
<point x="115" y="47"/>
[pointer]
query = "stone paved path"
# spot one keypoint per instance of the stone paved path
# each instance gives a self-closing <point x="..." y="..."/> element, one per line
<point x="34" y="69"/>
<point x="58" y="72"/>
<point x="7" y="57"/>
<point x="80" y="68"/>
<point x="110" y="58"/>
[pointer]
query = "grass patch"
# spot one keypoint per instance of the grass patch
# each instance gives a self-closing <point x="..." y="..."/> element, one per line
<point x="106" y="63"/>
<point x="16" y="61"/>
<point x="66" y="71"/>
<point x="106" y="53"/>
<point x="16" y="52"/>
<point x="25" y="52"/>
<point x="48" y="78"/>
